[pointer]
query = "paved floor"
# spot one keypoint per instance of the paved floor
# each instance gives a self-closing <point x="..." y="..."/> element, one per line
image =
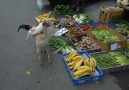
<point x="18" y="55"/>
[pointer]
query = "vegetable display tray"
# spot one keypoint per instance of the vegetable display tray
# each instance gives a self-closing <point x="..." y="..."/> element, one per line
<point x="120" y="24"/>
<point x="73" y="31"/>
<point x="115" y="68"/>
<point x="127" y="51"/>
<point x="99" y="24"/>
<point x="86" y="27"/>
<point x="72" y="40"/>
<point x="98" y="75"/>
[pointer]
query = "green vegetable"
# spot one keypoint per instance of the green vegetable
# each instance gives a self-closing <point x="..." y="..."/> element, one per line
<point x="60" y="44"/>
<point x="105" y="60"/>
<point x="82" y="18"/>
<point x="105" y="36"/>
<point x="61" y="9"/>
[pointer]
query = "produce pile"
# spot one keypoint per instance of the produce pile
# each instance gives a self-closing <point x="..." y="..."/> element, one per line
<point x="84" y="43"/>
<point x="82" y="18"/>
<point x="62" y="9"/>
<point x="43" y="16"/>
<point x="123" y="26"/>
<point x="123" y="32"/>
<point x="86" y="27"/>
<point x="80" y="66"/>
<point x="105" y="36"/>
<point x="67" y="21"/>
<point x="60" y="44"/>
<point x="74" y="31"/>
<point x="111" y="59"/>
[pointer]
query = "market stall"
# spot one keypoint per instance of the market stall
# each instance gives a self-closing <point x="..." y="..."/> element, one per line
<point x="89" y="49"/>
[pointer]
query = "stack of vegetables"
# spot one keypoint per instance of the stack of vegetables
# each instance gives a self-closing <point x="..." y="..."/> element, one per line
<point x="84" y="43"/>
<point x="80" y="66"/>
<point x="62" y="9"/>
<point x="60" y="44"/>
<point x="82" y="18"/>
<point x="66" y="21"/>
<point x="43" y="16"/>
<point x="105" y="36"/>
<point x="111" y="59"/>
<point x="74" y="31"/>
<point x="86" y="27"/>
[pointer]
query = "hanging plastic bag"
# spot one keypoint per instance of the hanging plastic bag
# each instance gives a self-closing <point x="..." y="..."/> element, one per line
<point x="40" y="4"/>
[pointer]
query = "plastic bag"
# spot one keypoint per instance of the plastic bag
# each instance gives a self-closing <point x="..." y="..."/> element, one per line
<point x="40" y="4"/>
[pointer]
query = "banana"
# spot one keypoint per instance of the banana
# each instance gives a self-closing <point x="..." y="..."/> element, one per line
<point x="94" y="62"/>
<point x="78" y="65"/>
<point x="93" y="65"/>
<point x="70" y="58"/>
<point x="71" y="63"/>
<point x="80" y="72"/>
<point x="81" y="67"/>
<point x="85" y="62"/>
<point x="75" y="62"/>
<point x="84" y="74"/>
<point x="71" y="67"/>
<point x="88" y="62"/>
<point x="78" y="57"/>
<point x="72" y="54"/>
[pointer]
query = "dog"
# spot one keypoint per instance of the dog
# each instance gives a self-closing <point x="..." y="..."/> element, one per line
<point x="40" y="34"/>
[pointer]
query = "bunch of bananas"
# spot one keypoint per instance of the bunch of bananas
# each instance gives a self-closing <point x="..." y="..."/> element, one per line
<point x="41" y="17"/>
<point x="79" y="65"/>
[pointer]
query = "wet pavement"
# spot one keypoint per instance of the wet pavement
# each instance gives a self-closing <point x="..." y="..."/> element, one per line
<point x="19" y="64"/>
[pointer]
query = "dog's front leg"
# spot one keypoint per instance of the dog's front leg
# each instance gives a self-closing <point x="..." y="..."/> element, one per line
<point x="39" y="50"/>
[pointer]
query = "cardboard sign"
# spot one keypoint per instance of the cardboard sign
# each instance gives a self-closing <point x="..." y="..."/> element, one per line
<point x="114" y="46"/>
<point x="61" y="31"/>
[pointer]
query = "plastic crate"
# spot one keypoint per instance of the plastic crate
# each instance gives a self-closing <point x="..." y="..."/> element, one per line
<point x="99" y="24"/>
<point x="88" y="79"/>
<point x="88" y="24"/>
<point x="115" y="68"/>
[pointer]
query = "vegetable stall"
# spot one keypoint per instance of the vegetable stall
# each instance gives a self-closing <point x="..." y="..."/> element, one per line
<point x="89" y="49"/>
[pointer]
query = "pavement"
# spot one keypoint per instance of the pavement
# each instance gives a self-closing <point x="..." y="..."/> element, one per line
<point x="19" y="65"/>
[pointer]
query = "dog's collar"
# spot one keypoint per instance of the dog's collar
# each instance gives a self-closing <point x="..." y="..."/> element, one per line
<point x="44" y="23"/>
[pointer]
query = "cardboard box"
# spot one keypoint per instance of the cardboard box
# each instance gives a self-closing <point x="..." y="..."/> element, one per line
<point x="110" y="13"/>
<point x="109" y="46"/>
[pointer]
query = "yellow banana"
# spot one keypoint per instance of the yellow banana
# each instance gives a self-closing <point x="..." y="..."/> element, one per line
<point x="70" y="64"/>
<point x="78" y="65"/>
<point x="74" y="52"/>
<point x="78" y="57"/>
<point x="84" y="74"/>
<point x="70" y="58"/>
<point x="92" y="65"/>
<point x="80" y="72"/>
<point x="71" y="67"/>
<point x="75" y="62"/>
<point x="88" y="62"/>
<point x="94" y="62"/>
<point x="81" y="67"/>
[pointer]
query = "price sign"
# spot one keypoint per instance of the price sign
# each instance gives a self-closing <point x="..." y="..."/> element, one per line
<point x="61" y="31"/>
<point x="114" y="46"/>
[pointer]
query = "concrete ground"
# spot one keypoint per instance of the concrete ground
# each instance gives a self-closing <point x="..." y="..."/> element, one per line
<point x="18" y="55"/>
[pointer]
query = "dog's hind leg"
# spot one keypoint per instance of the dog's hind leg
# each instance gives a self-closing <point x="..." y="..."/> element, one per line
<point x="39" y="50"/>
<point x="48" y="55"/>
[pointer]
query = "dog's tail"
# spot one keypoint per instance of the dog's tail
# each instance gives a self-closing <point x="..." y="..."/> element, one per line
<point x="25" y="27"/>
